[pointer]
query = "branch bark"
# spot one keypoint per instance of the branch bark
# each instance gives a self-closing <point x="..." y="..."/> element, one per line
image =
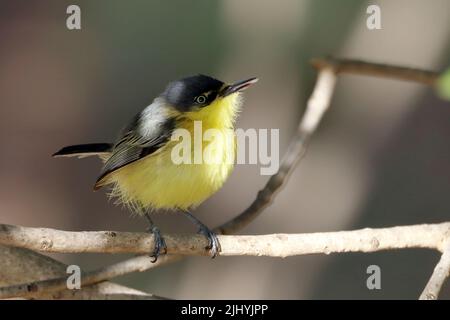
<point x="429" y="236"/>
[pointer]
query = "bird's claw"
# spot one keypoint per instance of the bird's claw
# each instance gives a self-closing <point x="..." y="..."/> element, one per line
<point x="160" y="244"/>
<point x="214" y="245"/>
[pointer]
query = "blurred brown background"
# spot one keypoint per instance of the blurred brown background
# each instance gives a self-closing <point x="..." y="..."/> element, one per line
<point x="380" y="157"/>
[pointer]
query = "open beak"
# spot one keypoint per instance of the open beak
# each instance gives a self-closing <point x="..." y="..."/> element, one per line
<point x="237" y="86"/>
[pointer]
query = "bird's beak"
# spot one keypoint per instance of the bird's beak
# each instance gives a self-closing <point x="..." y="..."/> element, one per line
<point x="237" y="86"/>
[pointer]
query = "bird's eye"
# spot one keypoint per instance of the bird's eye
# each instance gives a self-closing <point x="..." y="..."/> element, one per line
<point x="200" y="99"/>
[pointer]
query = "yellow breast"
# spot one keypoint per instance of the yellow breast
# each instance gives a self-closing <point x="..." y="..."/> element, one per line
<point x="156" y="182"/>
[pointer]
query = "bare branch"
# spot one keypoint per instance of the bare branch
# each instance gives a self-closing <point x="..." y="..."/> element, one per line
<point x="20" y="265"/>
<point x="377" y="70"/>
<point x="277" y="245"/>
<point x="53" y="288"/>
<point x="274" y="245"/>
<point x="440" y="274"/>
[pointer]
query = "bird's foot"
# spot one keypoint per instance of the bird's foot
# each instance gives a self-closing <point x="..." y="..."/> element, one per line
<point x="160" y="244"/>
<point x="214" y="244"/>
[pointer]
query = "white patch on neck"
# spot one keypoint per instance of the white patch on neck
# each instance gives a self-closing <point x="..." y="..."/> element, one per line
<point x="153" y="117"/>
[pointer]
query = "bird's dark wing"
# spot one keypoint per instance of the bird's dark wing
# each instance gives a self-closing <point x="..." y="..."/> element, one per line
<point x="146" y="134"/>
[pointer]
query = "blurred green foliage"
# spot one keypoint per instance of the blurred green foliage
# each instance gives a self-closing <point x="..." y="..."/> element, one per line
<point x="443" y="85"/>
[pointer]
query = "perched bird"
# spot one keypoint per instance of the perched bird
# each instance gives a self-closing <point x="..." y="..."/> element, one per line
<point x="140" y="166"/>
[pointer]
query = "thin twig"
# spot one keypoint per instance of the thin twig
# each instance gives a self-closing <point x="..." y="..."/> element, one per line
<point x="440" y="274"/>
<point x="55" y="287"/>
<point x="19" y="265"/>
<point x="377" y="70"/>
<point x="317" y="104"/>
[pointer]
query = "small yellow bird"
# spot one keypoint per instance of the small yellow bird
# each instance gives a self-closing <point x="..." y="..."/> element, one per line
<point x="140" y="165"/>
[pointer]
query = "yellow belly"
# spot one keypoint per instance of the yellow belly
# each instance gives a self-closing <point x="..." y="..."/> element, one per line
<point x="156" y="182"/>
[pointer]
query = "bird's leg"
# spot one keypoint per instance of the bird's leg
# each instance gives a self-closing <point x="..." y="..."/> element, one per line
<point x="214" y="245"/>
<point x="159" y="240"/>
